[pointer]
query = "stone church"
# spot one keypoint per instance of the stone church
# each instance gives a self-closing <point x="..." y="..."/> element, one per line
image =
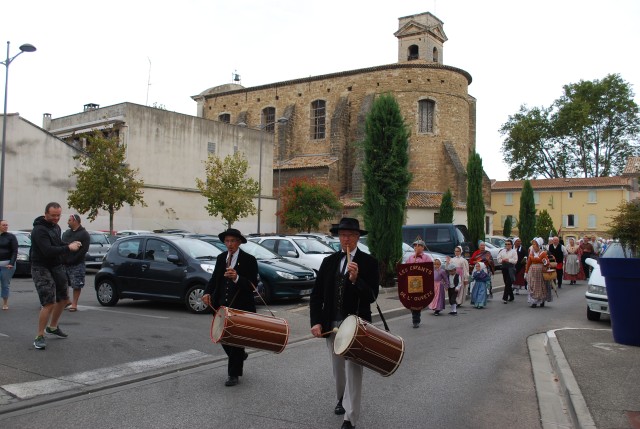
<point x="316" y="121"/>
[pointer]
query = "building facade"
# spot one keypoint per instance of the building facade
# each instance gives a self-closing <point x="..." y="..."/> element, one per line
<point x="577" y="206"/>
<point x="317" y="121"/>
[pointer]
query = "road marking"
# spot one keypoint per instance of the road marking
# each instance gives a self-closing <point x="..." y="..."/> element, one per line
<point x="88" y="378"/>
<point x="86" y="307"/>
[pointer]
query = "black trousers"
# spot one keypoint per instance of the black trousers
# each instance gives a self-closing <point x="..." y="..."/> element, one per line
<point x="507" y="294"/>
<point x="236" y="360"/>
<point x="560" y="273"/>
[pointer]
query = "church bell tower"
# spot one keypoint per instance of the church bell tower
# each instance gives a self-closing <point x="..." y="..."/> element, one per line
<point x="420" y="37"/>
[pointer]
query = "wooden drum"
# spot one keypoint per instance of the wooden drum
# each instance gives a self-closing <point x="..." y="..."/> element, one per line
<point x="246" y="329"/>
<point x="371" y="347"/>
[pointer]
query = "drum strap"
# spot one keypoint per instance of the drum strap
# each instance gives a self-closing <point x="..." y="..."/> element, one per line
<point x="384" y="322"/>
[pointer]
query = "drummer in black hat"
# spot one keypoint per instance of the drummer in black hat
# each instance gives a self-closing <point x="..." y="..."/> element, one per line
<point x="347" y="284"/>
<point x="231" y="285"/>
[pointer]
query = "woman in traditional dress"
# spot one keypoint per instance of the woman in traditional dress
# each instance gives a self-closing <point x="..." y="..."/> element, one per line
<point x="522" y="251"/>
<point x="440" y="284"/>
<point x="462" y="268"/>
<point x="484" y="256"/>
<point x="480" y="279"/>
<point x="572" y="267"/>
<point x="537" y="262"/>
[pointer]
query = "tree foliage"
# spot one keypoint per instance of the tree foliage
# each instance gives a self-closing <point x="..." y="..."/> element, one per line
<point x="446" y="208"/>
<point x="103" y="180"/>
<point x="227" y="189"/>
<point x="386" y="177"/>
<point x="625" y="226"/>
<point x="506" y="231"/>
<point x="527" y="214"/>
<point x="475" y="200"/>
<point x="590" y="131"/>
<point x="544" y="225"/>
<point x="306" y="203"/>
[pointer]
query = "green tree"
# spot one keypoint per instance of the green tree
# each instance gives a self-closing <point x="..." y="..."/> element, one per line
<point x="446" y="208"/>
<point x="475" y="200"/>
<point x="527" y="214"/>
<point x="386" y="177"/>
<point x="590" y="131"/>
<point x="227" y="189"/>
<point x="103" y="180"/>
<point x="506" y="231"/>
<point x="544" y="225"/>
<point x="306" y="203"/>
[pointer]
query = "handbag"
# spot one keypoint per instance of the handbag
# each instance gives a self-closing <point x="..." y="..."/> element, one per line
<point x="549" y="275"/>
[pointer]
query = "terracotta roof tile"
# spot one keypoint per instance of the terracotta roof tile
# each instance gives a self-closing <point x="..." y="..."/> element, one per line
<point x="416" y="200"/>
<point x="633" y="166"/>
<point x="563" y="183"/>
<point x="312" y="161"/>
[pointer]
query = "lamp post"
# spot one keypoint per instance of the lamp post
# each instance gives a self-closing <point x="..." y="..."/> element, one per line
<point x="23" y="48"/>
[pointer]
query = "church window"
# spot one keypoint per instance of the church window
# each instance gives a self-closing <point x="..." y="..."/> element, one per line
<point x="413" y="53"/>
<point x="269" y="119"/>
<point x="426" y="109"/>
<point x="225" y="117"/>
<point x="318" y="119"/>
<point x="435" y="55"/>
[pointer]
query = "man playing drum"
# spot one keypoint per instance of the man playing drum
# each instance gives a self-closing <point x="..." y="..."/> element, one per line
<point x="347" y="283"/>
<point x="231" y="285"/>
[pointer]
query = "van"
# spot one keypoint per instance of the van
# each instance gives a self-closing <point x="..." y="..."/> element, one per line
<point x="439" y="237"/>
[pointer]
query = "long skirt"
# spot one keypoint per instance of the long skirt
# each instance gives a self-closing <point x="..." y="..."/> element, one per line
<point x="519" y="282"/>
<point x="573" y="268"/>
<point x="479" y="294"/>
<point x="438" y="296"/>
<point x="539" y="289"/>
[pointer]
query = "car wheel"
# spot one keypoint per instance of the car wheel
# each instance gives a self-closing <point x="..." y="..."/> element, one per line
<point x="592" y="315"/>
<point x="265" y="292"/>
<point x="107" y="293"/>
<point x="193" y="300"/>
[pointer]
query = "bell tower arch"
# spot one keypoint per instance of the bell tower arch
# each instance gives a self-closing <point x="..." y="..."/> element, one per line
<point x="420" y="37"/>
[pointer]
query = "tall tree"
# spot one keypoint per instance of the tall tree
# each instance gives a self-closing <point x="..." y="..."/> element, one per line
<point x="508" y="226"/>
<point x="544" y="225"/>
<point x="227" y="189"/>
<point x="306" y="203"/>
<point x="103" y="180"/>
<point x="446" y="208"/>
<point x="475" y="200"/>
<point x="386" y="177"/>
<point x="590" y="131"/>
<point x="527" y="215"/>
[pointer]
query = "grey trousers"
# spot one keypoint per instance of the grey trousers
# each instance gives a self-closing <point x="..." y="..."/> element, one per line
<point x="348" y="377"/>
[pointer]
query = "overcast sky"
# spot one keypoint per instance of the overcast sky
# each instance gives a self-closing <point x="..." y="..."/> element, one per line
<point x="517" y="51"/>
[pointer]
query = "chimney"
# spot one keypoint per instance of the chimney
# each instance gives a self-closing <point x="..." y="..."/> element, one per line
<point x="46" y="121"/>
<point x="91" y="106"/>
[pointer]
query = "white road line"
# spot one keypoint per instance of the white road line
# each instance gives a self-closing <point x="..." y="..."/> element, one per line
<point x="54" y="385"/>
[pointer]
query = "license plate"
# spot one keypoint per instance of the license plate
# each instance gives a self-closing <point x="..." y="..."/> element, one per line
<point x="305" y="292"/>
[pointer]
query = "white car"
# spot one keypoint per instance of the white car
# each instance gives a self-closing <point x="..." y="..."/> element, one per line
<point x="597" y="301"/>
<point x="494" y="253"/>
<point x="128" y="232"/>
<point x="305" y="251"/>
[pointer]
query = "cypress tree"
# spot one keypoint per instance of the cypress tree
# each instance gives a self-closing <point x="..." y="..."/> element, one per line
<point x="506" y="231"/>
<point x="527" y="214"/>
<point x="446" y="208"/>
<point x="386" y="178"/>
<point x="475" y="200"/>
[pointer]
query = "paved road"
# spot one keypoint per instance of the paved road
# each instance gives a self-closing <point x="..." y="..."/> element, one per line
<point x="152" y="365"/>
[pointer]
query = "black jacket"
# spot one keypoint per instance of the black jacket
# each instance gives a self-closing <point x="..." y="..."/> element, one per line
<point x="47" y="248"/>
<point x="8" y="248"/>
<point x="81" y="235"/>
<point x="357" y="297"/>
<point x="219" y="286"/>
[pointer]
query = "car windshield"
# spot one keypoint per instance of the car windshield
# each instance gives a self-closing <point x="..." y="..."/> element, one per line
<point x="23" y="240"/>
<point x="258" y="251"/>
<point x="198" y="249"/>
<point x="98" y="239"/>
<point x="311" y="245"/>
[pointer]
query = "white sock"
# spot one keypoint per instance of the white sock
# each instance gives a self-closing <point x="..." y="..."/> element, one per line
<point x="453" y="307"/>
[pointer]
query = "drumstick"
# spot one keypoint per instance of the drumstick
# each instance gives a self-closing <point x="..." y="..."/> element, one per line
<point x="333" y="331"/>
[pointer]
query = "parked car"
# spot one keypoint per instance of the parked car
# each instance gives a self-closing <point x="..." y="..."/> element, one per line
<point x="325" y="238"/>
<point x="334" y="243"/>
<point x="439" y="237"/>
<point x="128" y="232"/>
<point x="23" y="260"/>
<point x="597" y="300"/>
<point x="171" y="231"/>
<point x="303" y="250"/>
<point x="496" y="240"/>
<point x="279" y="277"/>
<point x="99" y="245"/>
<point x="157" y="267"/>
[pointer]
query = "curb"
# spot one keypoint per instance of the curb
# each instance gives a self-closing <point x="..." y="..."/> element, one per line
<point x="576" y="405"/>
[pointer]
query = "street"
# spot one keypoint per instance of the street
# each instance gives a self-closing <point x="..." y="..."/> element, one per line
<point x="144" y="365"/>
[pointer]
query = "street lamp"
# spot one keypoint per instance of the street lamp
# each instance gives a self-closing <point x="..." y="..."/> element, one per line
<point x="24" y="48"/>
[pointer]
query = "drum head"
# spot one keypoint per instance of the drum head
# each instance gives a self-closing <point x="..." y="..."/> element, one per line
<point x="218" y="324"/>
<point x="345" y="335"/>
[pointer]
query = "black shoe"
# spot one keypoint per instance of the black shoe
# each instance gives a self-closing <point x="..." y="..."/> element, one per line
<point x="504" y="301"/>
<point x="246" y="355"/>
<point x="339" y="410"/>
<point x="542" y="305"/>
<point x="231" y="381"/>
<point x="534" y="305"/>
<point x="347" y="425"/>
<point x="416" y="325"/>
<point x="453" y="313"/>
<point x="511" y="299"/>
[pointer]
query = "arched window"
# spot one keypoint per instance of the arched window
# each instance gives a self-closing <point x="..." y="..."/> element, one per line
<point x="426" y="110"/>
<point x="435" y="55"/>
<point x="225" y="117"/>
<point x="318" y="119"/>
<point x="268" y="119"/>
<point x="413" y="53"/>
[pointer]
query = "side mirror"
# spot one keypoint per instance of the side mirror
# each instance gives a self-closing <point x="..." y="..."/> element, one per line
<point x="292" y="253"/>
<point x="173" y="259"/>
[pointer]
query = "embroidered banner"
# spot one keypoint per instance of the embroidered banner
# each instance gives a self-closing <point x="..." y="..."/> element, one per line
<point x="415" y="284"/>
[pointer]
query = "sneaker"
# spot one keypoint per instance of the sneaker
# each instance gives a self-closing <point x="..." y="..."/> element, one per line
<point x="39" y="343"/>
<point x="416" y="325"/>
<point x="56" y="332"/>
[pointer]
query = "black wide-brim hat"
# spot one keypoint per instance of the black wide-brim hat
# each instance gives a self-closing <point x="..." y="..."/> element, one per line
<point x="232" y="232"/>
<point x="348" y="223"/>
